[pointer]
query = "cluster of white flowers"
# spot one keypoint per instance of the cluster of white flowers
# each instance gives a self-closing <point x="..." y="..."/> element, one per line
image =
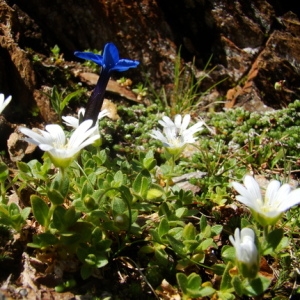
<point x="175" y="135"/>
<point x="266" y="210"/>
<point x="62" y="150"/>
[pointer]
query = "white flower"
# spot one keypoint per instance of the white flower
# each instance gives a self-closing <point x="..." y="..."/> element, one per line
<point x="61" y="150"/>
<point x="74" y="122"/>
<point x="4" y="102"/>
<point x="177" y="134"/>
<point x="267" y="210"/>
<point x="247" y="255"/>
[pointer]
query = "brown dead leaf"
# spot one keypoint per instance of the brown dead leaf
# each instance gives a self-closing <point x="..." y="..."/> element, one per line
<point x="111" y="108"/>
<point x="112" y="86"/>
<point x="167" y="291"/>
<point x="265" y="270"/>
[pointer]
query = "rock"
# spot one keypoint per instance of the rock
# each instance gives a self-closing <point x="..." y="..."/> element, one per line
<point x="253" y="44"/>
<point x="18" y="148"/>
<point x="5" y="130"/>
<point x="19" y="78"/>
<point x="278" y="61"/>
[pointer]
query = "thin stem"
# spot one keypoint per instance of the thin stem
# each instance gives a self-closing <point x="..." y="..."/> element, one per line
<point x="3" y="193"/>
<point x="266" y="232"/>
<point x="96" y="100"/>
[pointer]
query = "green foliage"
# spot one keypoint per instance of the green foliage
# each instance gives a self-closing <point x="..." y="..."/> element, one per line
<point x="188" y="88"/>
<point x="122" y="197"/>
<point x="60" y="100"/>
<point x="56" y="53"/>
<point x="13" y="216"/>
<point x="191" y="286"/>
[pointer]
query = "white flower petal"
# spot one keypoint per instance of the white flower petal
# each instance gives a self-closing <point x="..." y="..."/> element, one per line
<point x="4" y="102"/>
<point x="243" y="191"/>
<point x="176" y="134"/>
<point x="81" y="134"/>
<point x="281" y="196"/>
<point x="293" y="199"/>
<point x="185" y="123"/>
<point x="45" y="147"/>
<point x="34" y="137"/>
<point x="71" y="121"/>
<point x="103" y="113"/>
<point x="272" y="190"/>
<point x="166" y="122"/>
<point x="156" y="134"/>
<point x="195" y="128"/>
<point x="252" y="187"/>
<point x="56" y="133"/>
<point x="244" y="244"/>
<point x="177" y="121"/>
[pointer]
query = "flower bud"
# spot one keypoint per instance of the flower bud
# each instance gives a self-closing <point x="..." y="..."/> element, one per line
<point x="247" y="255"/>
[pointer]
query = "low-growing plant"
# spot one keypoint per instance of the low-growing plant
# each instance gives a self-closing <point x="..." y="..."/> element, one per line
<point x="122" y="203"/>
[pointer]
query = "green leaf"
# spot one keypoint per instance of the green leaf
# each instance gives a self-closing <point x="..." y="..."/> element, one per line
<point x="206" y="244"/>
<point x="182" y="281"/>
<point x="13" y="209"/>
<point x="177" y="245"/>
<point x="219" y="269"/>
<point x="155" y="236"/>
<point x="163" y="227"/>
<point x="23" y="167"/>
<point x="86" y="189"/>
<point x="64" y="185"/>
<point x="40" y="210"/>
<point x="216" y="230"/>
<point x="70" y="216"/>
<point x="55" y="197"/>
<point x="256" y="286"/>
<point x="126" y="194"/>
<point x="43" y="240"/>
<point x="228" y="253"/>
<point x="273" y="240"/>
<point x="203" y="223"/>
<point x="25" y="213"/>
<point x="226" y="278"/>
<point x="68" y="98"/>
<point x="194" y="281"/>
<point x="118" y="179"/>
<point x="4" y="209"/>
<point x="122" y="221"/>
<point x="155" y="192"/>
<point x="162" y="258"/>
<point x="58" y="218"/>
<point x="86" y="271"/>
<point x="181" y="212"/>
<point x="118" y="206"/>
<point x="237" y="285"/>
<point x="101" y="261"/>
<point x="149" y="163"/>
<point x="141" y="183"/>
<point x="3" y="172"/>
<point x="225" y="295"/>
<point x="189" y="232"/>
<point x="206" y="291"/>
